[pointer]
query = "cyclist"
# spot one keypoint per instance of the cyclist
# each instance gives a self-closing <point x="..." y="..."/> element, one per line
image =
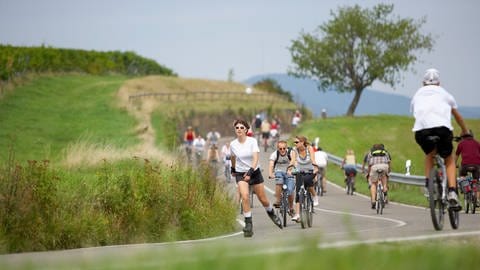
<point x="189" y="135"/>
<point x="377" y="159"/>
<point x="321" y="158"/>
<point x="279" y="161"/>
<point x="303" y="159"/>
<point x="265" y="129"/>
<point x="244" y="153"/>
<point x="432" y="108"/>
<point x="212" y="137"/>
<point x="469" y="150"/>
<point x="225" y="154"/>
<point x="349" y="164"/>
<point x="199" y="146"/>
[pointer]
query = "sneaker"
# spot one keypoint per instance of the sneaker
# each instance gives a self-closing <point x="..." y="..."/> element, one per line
<point x="296" y="218"/>
<point x="276" y="220"/>
<point x="315" y="200"/>
<point x="453" y="200"/>
<point x="373" y="205"/>
<point x="425" y="192"/>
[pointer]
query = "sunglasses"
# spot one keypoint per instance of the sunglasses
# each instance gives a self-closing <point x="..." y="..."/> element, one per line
<point x="295" y="142"/>
<point x="282" y="148"/>
<point x="239" y="127"/>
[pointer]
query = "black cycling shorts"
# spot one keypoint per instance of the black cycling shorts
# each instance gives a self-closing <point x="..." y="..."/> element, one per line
<point x="475" y="169"/>
<point x="444" y="146"/>
<point x="255" y="178"/>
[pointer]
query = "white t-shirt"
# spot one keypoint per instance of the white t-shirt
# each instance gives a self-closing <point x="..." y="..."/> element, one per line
<point x="432" y="107"/>
<point x="243" y="153"/>
<point x="321" y="158"/>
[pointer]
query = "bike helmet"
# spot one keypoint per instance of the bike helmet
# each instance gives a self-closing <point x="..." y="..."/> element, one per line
<point x="432" y="76"/>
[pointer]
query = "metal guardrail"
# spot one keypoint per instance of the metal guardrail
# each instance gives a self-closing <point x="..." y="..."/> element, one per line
<point x="415" y="180"/>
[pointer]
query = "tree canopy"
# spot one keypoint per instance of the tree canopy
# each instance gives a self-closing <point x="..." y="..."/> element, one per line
<point x="357" y="47"/>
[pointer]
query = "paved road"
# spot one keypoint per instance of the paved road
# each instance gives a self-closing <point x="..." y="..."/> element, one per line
<point x="339" y="220"/>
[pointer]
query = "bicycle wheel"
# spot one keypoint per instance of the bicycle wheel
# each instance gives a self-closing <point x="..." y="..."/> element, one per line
<point x="309" y="210"/>
<point x="467" y="201"/>
<point x="284" y="208"/>
<point x="380" y="200"/>
<point x="454" y="218"/>
<point x="303" y="210"/>
<point x="435" y="200"/>
<point x="349" y="186"/>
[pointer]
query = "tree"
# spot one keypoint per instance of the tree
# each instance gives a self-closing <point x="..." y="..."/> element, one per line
<point x="357" y="47"/>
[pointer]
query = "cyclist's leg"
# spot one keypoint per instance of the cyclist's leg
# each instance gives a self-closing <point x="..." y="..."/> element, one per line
<point x="373" y="178"/>
<point x="298" y="184"/>
<point x="278" y="187"/>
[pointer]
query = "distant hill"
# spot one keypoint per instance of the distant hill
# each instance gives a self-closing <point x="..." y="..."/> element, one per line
<point x="372" y="102"/>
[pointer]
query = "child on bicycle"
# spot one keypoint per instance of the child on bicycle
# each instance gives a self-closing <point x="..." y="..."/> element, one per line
<point x="279" y="161"/>
<point x="432" y="108"/>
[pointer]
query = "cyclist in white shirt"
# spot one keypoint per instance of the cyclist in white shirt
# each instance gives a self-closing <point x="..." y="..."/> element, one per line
<point x="432" y="107"/>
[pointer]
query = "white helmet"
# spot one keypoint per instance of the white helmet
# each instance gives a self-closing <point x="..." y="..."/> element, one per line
<point x="432" y="76"/>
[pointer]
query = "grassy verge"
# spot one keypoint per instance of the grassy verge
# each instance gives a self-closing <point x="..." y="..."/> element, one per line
<point x="133" y="201"/>
<point x="411" y="255"/>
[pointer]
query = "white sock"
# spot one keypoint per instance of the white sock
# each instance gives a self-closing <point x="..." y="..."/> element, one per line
<point x="247" y="214"/>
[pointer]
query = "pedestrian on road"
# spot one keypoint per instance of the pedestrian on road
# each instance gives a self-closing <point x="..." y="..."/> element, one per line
<point x="244" y="154"/>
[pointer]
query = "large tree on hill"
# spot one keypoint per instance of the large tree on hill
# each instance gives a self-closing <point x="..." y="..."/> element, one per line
<point x="357" y="47"/>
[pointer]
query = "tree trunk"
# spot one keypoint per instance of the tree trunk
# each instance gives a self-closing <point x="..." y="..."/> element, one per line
<point x="353" y="105"/>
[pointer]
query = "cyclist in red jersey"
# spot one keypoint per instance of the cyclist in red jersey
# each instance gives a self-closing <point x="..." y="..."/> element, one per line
<point x="469" y="150"/>
<point x="189" y="136"/>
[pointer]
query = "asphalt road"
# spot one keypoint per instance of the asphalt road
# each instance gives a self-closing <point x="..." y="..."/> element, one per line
<point x="339" y="220"/>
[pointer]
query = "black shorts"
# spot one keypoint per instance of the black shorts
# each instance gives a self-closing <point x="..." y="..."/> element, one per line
<point x="265" y="135"/>
<point x="444" y="146"/>
<point x="255" y="178"/>
<point x="305" y="179"/>
<point x="475" y="169"/>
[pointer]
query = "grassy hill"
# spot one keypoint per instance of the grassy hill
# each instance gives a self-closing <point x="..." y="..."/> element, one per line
<point x="82" y="164"/>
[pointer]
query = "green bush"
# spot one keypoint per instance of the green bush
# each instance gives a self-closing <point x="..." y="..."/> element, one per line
<point x="134" y="201"/>
<point x="17" y="61"/>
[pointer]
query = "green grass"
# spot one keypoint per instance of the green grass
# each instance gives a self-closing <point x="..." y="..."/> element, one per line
<point x="412" y="255"/>
<point x="44" y="116"/>
<point x="360" y="133"/>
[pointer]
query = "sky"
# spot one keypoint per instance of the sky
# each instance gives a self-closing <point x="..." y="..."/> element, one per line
<point x="206" y="39"/>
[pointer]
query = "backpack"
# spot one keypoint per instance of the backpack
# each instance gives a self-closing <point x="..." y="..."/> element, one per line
<point x="289" y="149"/>
<point x="378" y="150"/>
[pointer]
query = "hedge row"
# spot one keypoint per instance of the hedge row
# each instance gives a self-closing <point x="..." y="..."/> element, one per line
<point x="17" y="61"/>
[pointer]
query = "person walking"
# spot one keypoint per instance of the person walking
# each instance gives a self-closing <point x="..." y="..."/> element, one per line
<point x="244" y="154"/>
<point x="432" y="107"/>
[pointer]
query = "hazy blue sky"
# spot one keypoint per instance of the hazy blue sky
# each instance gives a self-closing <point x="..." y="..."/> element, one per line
<point x="204" y="39"/>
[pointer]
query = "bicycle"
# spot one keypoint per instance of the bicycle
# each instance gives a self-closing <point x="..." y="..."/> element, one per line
<point x="306" y="202"/>
<point x="318" y="184"/>
<point x="380" y="196"/>
<point x="437" y="193"/>
<point x="469" y="188"/>
<point x="350" y="181"/>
